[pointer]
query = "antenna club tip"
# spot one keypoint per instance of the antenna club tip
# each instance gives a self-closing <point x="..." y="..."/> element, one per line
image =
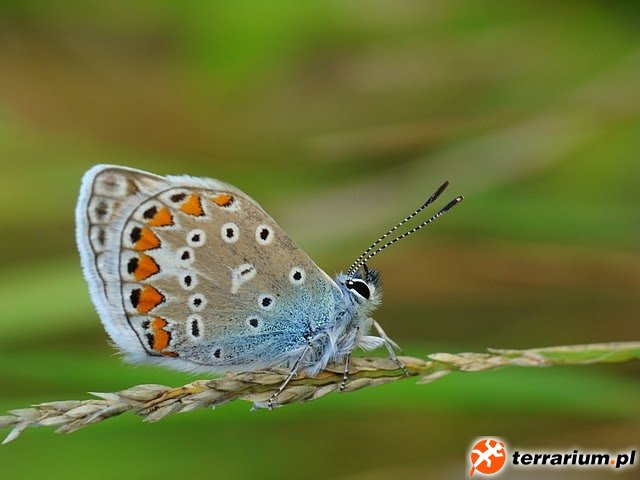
<point x="459" y="198"/>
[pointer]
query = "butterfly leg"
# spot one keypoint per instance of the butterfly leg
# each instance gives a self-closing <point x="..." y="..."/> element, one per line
<point x="345" y="375"/>
<point x="385" y="337"/>
<point x="391" y="347"/>
<point x="394" y="357"/>
<point x="292" y="373"/>
<point x="347" y="361"/>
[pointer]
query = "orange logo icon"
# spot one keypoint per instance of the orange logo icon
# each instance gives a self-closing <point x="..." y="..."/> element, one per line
<point x="487" y="456"/>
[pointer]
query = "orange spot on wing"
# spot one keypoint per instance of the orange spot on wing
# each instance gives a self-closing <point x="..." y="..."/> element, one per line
<point x="147" y="241"/>
<point x="162" y="218"/>
<point x="149" y="299"/>
<point x="223" y="199"/>
<point x="192" y="206"/>
<point x="147" y="266"/>
<point x="161" y="337"/>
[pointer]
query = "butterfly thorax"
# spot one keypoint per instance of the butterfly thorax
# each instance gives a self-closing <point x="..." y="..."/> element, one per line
<point x="350" y="324"/>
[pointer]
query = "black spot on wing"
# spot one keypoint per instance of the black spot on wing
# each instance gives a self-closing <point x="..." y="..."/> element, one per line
<point x="134" y="296"/>
<point x="132" y="265"/>
<point x="136" y="234"/>
<point x="151" y="212"/>
<point x="195" y="329"/>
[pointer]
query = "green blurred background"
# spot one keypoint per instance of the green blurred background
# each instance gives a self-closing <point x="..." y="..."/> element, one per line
<point x="338" y="117"/>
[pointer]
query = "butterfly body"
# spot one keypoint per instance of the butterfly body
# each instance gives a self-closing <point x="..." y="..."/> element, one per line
<point x="193" y="274"/>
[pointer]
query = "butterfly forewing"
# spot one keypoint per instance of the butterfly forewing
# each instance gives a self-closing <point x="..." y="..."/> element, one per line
<point x="194" y="273"/>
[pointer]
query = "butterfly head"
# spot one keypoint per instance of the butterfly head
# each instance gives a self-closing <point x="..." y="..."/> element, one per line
<point x="364" y="288"/>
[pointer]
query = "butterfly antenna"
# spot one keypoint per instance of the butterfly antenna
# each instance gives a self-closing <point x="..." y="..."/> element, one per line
<point x="434" y="196"/>
<point x="372" y="254"/>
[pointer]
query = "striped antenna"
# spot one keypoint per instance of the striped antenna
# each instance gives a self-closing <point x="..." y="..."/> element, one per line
<point x="363" y="259"/>
<point x="358" y="262"/>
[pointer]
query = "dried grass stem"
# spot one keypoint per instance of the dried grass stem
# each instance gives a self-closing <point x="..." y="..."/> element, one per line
<point x="154" y="402"/>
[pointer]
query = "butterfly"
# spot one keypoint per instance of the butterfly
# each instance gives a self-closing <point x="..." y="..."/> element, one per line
<point x="191" y="273"/>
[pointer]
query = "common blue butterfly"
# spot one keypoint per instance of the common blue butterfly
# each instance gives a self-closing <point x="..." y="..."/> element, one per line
<point x="192" y="274"/>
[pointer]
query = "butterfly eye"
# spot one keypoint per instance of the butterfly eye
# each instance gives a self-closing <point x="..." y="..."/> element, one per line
<point x="359" y="287"/>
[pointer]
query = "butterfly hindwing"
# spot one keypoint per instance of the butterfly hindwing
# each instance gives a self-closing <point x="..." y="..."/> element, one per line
<point x="193" y="273"/>
<point x="106" y="196"/>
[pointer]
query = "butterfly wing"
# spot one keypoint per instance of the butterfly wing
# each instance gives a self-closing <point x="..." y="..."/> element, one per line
<point x="193" y="273"/>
